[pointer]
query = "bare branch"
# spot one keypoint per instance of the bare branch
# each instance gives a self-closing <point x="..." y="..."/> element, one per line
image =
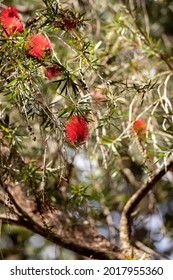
<point x="130" y="178"/>
<point x="150" y="251"/>
<point x="4" y="199"/>
<point x="9" y="218"/>
<point x="10" y="200"/>
<point x="135" y="200"/>
<point x="6" y="202"/>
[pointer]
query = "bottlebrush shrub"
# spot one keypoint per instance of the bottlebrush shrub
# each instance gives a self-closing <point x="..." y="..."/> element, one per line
<point x="38" y="45"/>
<point x="10" y="21"/>
<point x="140" y="127"/>
<point x="52" y="71"/>
<point x="76" y="130"/>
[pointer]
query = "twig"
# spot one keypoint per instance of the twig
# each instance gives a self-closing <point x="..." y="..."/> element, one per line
<point x="106" y="213"/>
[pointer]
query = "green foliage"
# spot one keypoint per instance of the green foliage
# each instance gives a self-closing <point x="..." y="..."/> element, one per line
<point x="79" y="194"/>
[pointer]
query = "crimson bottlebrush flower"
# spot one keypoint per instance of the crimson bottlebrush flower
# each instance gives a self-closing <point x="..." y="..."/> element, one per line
<point x="9" y="12"/>
<point x="76" y="130"/>
<point x="52" y="71"/>
<point x="10" y="21"/>
<point x="140" y="127"/>
<point x="37" y="45"/>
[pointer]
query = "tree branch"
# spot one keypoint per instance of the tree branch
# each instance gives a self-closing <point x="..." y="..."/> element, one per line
<point x="55" y="225"/>
<point x="6" y="202"/>
<point x="131" y="204"/>
<point x="9" y="218"/>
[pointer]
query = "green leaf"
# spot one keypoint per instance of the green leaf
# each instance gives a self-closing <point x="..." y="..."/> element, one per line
<point x="13" y="82"/>
<point x="66" y="110"/>
<point x="106" y="140"/>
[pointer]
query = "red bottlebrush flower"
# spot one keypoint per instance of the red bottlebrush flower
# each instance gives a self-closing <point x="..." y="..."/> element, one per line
<point x="9" y="12"/>
<point x="37" y="45"/>
<point x="52" y="71"/>
<point x="140" y="127"/>
<point x="76" y="130"/>
<point x="11" y="26"/>
<point x="10" y="21"/>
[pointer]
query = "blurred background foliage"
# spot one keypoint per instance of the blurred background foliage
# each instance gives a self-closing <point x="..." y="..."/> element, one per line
<point x="116" y="66"/>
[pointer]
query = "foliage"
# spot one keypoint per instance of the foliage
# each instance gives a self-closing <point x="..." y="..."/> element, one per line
<point x="107" y="69"/>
